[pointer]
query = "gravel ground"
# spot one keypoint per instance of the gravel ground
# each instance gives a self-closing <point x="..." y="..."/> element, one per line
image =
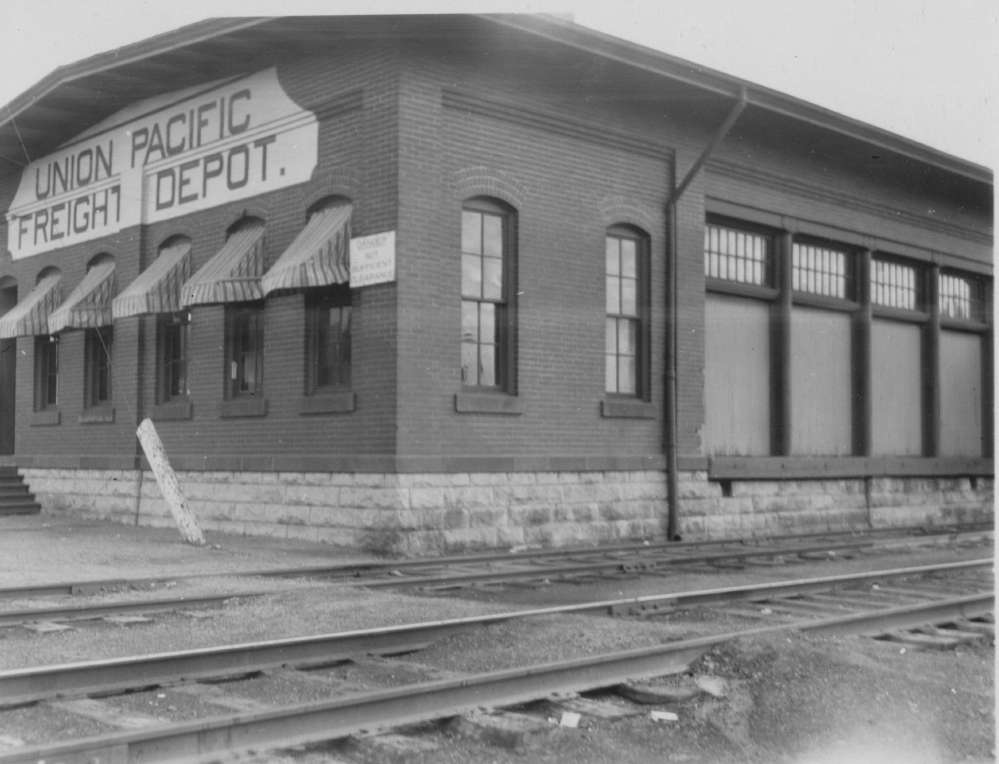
<point x="798" y="699"/>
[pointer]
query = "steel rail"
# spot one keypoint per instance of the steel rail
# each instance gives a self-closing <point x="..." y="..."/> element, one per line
<point x="368" y="711"/>
<point x="90" y="612"/>
<point x="27" y="685"/>
<point x="629" y="566"/>
<point x="368" y="568"/>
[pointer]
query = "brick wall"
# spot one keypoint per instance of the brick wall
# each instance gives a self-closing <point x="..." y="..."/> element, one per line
<point x="353" y="90"/>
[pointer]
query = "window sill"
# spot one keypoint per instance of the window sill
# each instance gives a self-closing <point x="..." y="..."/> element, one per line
<point x="627" y="408"/>
<point x="818" y="467"/>
<point x="474" y="402"/>
<point x="340" y="402"/>
<point x="97" y="415"/>
<point x="174" y="410"/>
<point x="243" y="407"/>
<point x="46" y="418"/>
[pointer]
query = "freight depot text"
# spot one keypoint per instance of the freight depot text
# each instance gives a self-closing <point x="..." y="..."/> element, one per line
<point x="87" y="173"/>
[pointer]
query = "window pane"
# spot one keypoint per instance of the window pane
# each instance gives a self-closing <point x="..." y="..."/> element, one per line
<point x="628" y="258"/>
<point x="471" y="232"/>
<point x="610" y="336"/>
<point x="492" y="235"/>
<point x="469" y="363"/>
<point x="469" y="321"/>
<point x="736" y="255"/>
<point x="492" y="278"/>
<point x="487" y="322"/>
<point x="487" y="371"/>
<point x="611" y="255"/>
<point x="610" y="373"/>
<point x="819" y="270"/>
<point x="627" y="337"/>
<point x="626" y="374"/>
<point x="471" y="276"/>
<point x="613" y="294"/>
<point x="629" y="296"/>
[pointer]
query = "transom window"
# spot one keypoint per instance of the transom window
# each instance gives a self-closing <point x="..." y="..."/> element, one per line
<point x="486" y="324"/>
<point x="961" y="297"/>
<point x="737" y="255"/>
<point x="894" y="285"/>
<point x="820" y="270"/>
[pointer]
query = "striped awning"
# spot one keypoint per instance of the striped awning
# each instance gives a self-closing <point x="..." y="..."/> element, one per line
<point x="157" y="289"/>
<point x="89" y="304"/>
<point x="233" y="274"/>
<point x="31" y="315"/>
<point x="319" y="255"/>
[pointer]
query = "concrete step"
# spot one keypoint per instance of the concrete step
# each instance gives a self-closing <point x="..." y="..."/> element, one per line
<point x="15" y="498"/>
<point x="24" y="508"/>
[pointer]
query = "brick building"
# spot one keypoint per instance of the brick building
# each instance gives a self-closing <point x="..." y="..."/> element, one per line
<point x="434" y="282"/>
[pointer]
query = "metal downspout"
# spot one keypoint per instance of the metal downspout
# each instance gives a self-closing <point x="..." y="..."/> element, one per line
<point x="671" y="417"/>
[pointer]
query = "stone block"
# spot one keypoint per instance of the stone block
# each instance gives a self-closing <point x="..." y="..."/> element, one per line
<point x="373" y="498"/>
<point x="755" y="488"/>
<point x="471" y="538"/>
<point x="698" y="489"/>
<point x="510" y="536"/>
<point x="426" y="498"/>
<point x="494" y="517"/>
<point x="583" y="513"/>
<point x="531" y="515"/>
<point x="348" y="517"/>
<point x="471" y="497"/>
<point x="514" y="495"/>
<point x="310" y="495"/>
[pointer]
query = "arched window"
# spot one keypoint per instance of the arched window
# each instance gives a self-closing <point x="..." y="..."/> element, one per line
<point x="626" y="344"/>
<point x="488" y="305"/>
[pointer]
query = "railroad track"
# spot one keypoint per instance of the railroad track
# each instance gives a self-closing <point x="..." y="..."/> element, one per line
<point x="54" y="619"/>
<point x="461" y="572"/>
<point x="454" y="572"/>
<point x="349" y="691"/>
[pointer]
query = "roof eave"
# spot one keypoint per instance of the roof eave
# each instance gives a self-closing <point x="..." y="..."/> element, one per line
<point x="678" y="70"/>
<point x="152" y="46"/>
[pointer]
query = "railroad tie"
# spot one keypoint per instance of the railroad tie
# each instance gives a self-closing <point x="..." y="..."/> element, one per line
<point x="392" y="747"/>
<point x="106" y="713"/>
<point x="506" y="729"/>
<point x="918" y="640"/>
<point x="599" y="709"/>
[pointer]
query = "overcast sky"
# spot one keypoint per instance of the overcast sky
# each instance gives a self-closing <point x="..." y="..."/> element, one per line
<point x="924" y="69"/>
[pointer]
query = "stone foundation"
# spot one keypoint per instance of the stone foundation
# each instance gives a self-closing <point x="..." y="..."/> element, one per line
<point x="428" y="513"/>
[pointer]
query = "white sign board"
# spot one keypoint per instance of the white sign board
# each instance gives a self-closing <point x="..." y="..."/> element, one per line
<point x="372" y="259"/>
<point x="162" y="157"/>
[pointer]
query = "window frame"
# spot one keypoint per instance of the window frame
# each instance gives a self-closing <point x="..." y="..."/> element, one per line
<point x="641" y="318"/>
<point x="46" y="379"/>
<point x="979" y="313"/>
<point x="921" y="310"/>
<point x="236" y="314"/>
<point x="98" y="359"/>
<point x="319" y="305"/>
<point x="166" y="362"/>
<point x="849" y="301"/>
<point x="505" y="312"/>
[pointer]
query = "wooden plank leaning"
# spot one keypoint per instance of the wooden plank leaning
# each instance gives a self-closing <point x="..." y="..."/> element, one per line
<point x="152" y="446"/>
